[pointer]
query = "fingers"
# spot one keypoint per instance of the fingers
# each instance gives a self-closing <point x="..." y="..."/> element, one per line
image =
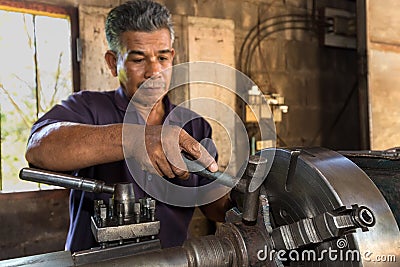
<point x="167" y="169"/>
<point x="197" y="151"/>
<point x="179" y="173"/>
<point x="164" y="170"/>
<point x="170" y="171"/>
<point x="164" y="151"/>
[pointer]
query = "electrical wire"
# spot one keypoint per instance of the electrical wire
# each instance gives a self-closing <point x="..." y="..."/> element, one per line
<point x="262" y="30"/>
<point x="247" y="66"/>
<point x="256" y="30"/>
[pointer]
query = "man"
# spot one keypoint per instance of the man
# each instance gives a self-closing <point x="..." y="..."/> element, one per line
<point x="84" y="133"/>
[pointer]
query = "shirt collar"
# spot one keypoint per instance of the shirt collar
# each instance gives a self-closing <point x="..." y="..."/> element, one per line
<point x="122" y="102"/>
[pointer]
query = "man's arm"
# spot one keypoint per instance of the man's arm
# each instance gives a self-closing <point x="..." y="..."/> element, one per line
<point x="66" y="146"/>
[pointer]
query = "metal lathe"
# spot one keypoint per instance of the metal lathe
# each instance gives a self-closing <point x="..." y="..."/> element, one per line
<point x="315" y="207"/>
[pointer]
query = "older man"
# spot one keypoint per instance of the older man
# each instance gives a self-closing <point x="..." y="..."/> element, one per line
<point x="84" y="133"/>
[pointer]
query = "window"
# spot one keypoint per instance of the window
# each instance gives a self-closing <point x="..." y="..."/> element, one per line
<point x="36" y="72"/>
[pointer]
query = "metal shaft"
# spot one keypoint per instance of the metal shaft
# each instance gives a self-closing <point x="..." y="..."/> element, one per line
<point x="65" y="180"/>
<point x="200" y="252"/>
<point x="220" y="177"/>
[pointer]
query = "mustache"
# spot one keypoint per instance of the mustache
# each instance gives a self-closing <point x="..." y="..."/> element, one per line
<point x="157" y="83"/>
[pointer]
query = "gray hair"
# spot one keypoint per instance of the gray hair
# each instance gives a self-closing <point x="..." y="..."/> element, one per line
<point x="137" y="15"/>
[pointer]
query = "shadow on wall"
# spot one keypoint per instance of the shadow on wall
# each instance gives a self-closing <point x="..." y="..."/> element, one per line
<point x="33" y="222"/>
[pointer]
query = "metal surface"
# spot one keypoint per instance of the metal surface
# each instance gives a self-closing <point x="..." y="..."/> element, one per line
<point x="255" y="170"/>
<point x="322" y="227"/>
<point x="383" y="167"/>
<point x="122" y="232"/>
<point x="160" y="258"/>
<point x="92" y="257"/>
<point x="115" y="222"/>
<point x="65" y="180"/>
<point x="95" y="255"/>
<point x="389" y="154"/>
<point x="318" y="207"/>
<point x="249" y="184"/>
<point x="326" y="181"/>
<point x="309" y="202"/>
<point x="246" y="241"/>
<point x="59" y="259"/>
<point x="209" y="251"/>
<point x="125" y="195"/>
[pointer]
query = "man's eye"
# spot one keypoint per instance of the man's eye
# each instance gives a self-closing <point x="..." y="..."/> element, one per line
<point x="137" y="60"/>
<point x="162" y="58"/>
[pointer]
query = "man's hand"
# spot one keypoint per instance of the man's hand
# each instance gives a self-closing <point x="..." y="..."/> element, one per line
<point x="161" y="151"/>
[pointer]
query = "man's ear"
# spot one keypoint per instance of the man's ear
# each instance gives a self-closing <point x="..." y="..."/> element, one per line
<point x="111" y="59"/>
<point x="172" y="53"/>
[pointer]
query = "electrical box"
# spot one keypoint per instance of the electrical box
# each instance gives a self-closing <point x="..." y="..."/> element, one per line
<point x="339" y="29"/>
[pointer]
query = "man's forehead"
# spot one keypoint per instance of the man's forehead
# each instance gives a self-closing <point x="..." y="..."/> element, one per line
<point x="140" y="37"/>
<point x="143" y="52"/>
<point x="145" y="42"/>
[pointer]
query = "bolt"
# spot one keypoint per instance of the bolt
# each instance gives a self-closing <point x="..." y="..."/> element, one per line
<point x="120" y="213"/>
<point x="103" y="214"/>
<point x="111" y="208"/>
<point x="152" y="208"/>
<point x="136" y="210"/>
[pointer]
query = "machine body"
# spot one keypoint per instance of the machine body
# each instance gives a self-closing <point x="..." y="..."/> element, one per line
<point x="315" y="207"/>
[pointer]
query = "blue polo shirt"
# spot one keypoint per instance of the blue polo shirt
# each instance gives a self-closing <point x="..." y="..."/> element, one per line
<point x="102" y="108"/>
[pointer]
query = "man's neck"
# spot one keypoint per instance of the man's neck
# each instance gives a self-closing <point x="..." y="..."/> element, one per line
<point x="153" y="115"/>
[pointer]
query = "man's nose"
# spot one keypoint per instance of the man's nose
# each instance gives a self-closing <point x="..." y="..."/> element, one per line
<point x="153" y="69"/>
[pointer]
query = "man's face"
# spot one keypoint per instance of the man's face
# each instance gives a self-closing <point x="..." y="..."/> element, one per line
<point x="143" y="66"/>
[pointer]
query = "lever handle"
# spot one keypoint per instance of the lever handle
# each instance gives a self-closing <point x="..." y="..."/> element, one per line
<point x="65" y="180"/>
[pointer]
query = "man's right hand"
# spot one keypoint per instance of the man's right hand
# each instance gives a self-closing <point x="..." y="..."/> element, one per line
<point x="160" y="151"/>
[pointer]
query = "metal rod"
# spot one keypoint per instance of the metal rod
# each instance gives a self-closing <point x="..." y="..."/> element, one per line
<point x="65" y="180"/>
<point x="220" y="177"/>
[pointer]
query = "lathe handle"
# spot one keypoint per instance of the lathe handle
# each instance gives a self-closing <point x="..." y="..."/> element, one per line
<point x="65" y="180"/>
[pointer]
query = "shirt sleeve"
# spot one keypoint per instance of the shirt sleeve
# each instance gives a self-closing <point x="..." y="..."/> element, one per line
<point x="76" y="108"/>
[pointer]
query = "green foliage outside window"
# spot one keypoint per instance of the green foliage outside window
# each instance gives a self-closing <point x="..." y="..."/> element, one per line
<point x="35" y="74"/>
